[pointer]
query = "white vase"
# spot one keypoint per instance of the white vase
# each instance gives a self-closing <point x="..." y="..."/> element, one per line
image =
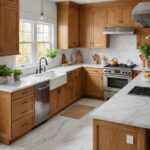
<point x="3" y="80"/>
<point x="17" y="77"/>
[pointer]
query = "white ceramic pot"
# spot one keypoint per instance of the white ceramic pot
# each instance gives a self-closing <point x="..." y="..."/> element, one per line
<point x="3" y="80"/>
<point x="17" y="77"/>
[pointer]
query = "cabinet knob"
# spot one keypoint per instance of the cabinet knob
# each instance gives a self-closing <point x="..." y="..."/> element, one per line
<point x="1" y="49"/>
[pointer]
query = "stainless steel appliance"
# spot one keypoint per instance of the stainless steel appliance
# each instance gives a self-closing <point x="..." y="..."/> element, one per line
<point x="115" y="78"/>
<point x="119" y="30"/>
<point x="141" y="91"/>
<point x="41" y="103"/>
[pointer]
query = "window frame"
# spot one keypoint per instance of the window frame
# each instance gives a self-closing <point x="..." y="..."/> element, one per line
<point x="51" y="42"/>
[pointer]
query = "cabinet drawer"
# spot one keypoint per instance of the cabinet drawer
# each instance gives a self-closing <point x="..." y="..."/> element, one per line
<point x="22" y="126"/>
<point x="94" y="71"/>
<point x="22" y="93"/>
<point x="22" y="107"/>
<point x="10" y="3"/>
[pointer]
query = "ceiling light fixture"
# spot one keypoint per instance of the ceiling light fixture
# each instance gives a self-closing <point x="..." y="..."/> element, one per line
<point x="42" y="12"/>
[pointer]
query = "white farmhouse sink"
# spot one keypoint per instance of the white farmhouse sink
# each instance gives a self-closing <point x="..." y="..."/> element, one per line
<point x="57" y="79"/>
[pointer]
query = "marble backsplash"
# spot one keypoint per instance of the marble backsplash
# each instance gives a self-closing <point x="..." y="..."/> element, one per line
<point x="122" y="47"/>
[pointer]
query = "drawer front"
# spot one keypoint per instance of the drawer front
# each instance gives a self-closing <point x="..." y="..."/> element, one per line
<point x="10" y="3"/>
<point x="22" y="107"/>
<point x="22" y="93"/>
<point x="95" y="71"/>
<point x="22" y="126"/>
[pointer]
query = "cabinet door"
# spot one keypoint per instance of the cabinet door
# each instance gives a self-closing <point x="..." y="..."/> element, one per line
<point x="99" y="21"/>
<point x="113" y="136"/>
<point x="9" y="33"/>
<point x="77" y="89"/>
<point x="10" y="3"/>
<point x="70" y="91"/>
<point x="53" y="102"/>
<point x="113" y="16"/>
<point x="94" y="86"/>
<point x="142" y="33"/>
<point x="126" y="16"/>
<point x="86" y="28"/>
<point x="73" y="28"/>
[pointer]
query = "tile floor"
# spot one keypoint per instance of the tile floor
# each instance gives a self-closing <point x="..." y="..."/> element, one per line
<point x="59" y="133"/>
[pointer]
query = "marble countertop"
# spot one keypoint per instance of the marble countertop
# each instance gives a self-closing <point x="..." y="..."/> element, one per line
<point x="127" y="109"/>
<point x="140" y="68"/>
<point x="32" y="80"/>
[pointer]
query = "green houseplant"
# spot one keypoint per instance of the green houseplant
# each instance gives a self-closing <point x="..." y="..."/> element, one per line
<point x="5" y="72"/>
<point x="51" y="53"/>
<point x="145" y="50"/>
<point x="17" y="74"/>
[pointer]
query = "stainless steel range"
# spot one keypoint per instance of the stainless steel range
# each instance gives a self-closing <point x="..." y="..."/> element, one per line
<point x="115" y="78"/>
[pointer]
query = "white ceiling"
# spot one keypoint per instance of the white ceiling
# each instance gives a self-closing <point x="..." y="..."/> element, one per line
<point x="84" y="1"/>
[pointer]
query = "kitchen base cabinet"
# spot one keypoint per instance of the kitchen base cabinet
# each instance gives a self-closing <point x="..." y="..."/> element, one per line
<point x="19" y="118"/>
<point x="114" y="136"/>
<point x="135" y="73"/>
<point x="93" y="83"/>
<point x="66" y="94"/>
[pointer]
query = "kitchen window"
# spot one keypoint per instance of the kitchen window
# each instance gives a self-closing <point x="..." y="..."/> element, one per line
<point x="35" y="39"/>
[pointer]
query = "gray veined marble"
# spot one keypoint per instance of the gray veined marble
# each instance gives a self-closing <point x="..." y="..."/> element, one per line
<point x="59" y="133"/>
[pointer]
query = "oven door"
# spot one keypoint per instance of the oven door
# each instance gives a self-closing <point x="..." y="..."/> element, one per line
<point x="114" y="82"/>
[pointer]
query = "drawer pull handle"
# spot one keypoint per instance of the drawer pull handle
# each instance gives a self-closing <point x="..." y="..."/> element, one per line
<point x="24" y="112"/>
<point x="25" y="124"/>
<point x="25" y="102"/>
<point x="24" y="92"/>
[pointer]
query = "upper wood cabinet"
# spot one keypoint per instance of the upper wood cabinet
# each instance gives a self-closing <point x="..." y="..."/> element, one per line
<point x="10" y="3"/>
<point x="9" y="27"/>
<point x="141" y="35"/>
<point x="67" y="25"/>
<point x="92" y="23"/>
<point x="86" y="28"/>
<point x="119" y="16"/>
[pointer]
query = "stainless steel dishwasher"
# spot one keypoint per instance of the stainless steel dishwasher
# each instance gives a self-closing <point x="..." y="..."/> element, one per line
<point x="41" y="103"/>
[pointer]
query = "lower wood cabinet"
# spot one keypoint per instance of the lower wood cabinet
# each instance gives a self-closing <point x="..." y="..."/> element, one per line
<point x="93" y="83"/>
<point x="67" y="94"/>
<point x="135" y="73"/>
<point x="113" y="136"/>
<point x="19" y="117"/>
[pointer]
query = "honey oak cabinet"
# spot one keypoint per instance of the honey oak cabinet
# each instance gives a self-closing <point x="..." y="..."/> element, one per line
<point x="135" y="73"/>
<point x="119" y="16"/>
<point x="142" y="33"/>
<point x="86" y="28"/>
<point x="9" y="27"/>
<point x="58" y="99"/>
<point x="108" y="135"/>
<point x="93" y="83"/>
<point x="19" y="118"/>
<point x="67" y="25"/>
<point x="66" y="94"/>
<point x="92" y="23"/>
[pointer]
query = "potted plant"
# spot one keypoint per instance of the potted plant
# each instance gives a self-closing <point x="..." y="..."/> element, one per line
<point x="51" y="53"/>
<point x="17" y="74"/>
<point x="5" y="72"/>
<point x="145" y="50"/>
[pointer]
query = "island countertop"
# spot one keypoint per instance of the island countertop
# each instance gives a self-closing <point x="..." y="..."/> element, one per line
<point x="126" y="109"/>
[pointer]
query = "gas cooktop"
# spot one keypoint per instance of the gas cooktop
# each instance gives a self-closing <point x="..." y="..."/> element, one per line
<point x="121" y="66"/>
<point x="143" y="91"/>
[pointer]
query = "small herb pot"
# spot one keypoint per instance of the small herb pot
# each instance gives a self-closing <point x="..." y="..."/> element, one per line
<point x="3" y="80"/>
<point x="17" y="77"/>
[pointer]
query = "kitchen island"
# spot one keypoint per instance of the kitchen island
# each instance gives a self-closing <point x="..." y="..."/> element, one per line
<point x="123" y="122"/>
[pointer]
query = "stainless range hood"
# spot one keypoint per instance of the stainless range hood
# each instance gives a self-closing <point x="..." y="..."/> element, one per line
<point x="119" y="30"/>
<point x="141" y="14"/>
